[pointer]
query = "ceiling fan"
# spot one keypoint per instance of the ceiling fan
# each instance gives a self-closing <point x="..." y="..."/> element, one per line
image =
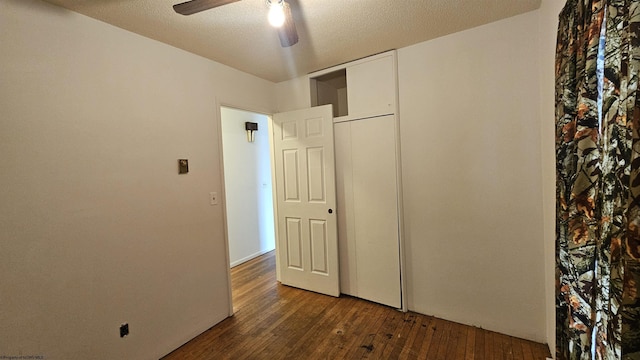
<point x="279" y="10"/>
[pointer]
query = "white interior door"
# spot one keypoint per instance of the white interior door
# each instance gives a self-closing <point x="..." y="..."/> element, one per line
<point x="307" y="239"/>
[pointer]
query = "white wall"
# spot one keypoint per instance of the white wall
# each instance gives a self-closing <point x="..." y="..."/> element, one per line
<point x="293" y="94"/>
<point x="548" y="14"/>
<point x="97" y="228"/>
<point x="248" y="188"/>
<point x="471" y="169"/>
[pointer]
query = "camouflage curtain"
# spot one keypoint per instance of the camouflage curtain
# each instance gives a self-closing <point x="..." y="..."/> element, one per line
<point x="598" y="180"/>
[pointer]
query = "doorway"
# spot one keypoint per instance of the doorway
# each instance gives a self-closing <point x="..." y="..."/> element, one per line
<point x="248" y="185"/>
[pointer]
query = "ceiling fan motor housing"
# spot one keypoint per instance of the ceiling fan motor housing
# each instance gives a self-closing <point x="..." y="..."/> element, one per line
<point x="287" y="32"/>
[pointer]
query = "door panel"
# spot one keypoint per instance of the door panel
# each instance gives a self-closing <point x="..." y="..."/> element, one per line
<point x="346" y="217"/>
<point x="294" y="246"/>
<point x="290" y="178"/>
<point x="376" y="207"/>
<point x="371" y="88"/>
<point x="366" y="170"/>
<point x="305" y="192"/>
<point x="316" y="178"/>
<point x="319" y="246"/>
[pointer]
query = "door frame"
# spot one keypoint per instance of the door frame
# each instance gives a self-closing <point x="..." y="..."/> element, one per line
<point x="222" y="198"/>
<point x="269" y="113"/>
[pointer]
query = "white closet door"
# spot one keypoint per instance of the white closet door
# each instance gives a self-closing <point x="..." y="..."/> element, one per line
<point x="371" y="87"/>
<point x="368" y="210"/>
<point x="344" y="196"/>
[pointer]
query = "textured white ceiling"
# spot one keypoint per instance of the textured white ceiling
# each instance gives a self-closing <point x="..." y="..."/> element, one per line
<point x="331" y="31"/>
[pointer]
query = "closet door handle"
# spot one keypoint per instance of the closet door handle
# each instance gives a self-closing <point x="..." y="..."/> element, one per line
<point x="330" y="211"/>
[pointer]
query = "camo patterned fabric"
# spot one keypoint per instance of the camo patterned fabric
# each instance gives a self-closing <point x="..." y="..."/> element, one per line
<point x="598" y="180"/>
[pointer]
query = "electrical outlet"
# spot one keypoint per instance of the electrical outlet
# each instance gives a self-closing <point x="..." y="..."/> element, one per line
<point x="183" y="166"/>
<point x="124" y="330"/>
<point x="213" y="198"/>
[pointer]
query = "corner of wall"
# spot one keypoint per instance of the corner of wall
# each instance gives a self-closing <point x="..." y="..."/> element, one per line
<point x="548" y="23"/>
<point x="293" y="94"/>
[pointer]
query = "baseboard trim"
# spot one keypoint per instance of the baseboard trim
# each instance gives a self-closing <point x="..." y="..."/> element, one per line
<point x="250" y="257"/>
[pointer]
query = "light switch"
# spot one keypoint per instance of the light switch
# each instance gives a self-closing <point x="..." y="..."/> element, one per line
<point x="213" y="198"/>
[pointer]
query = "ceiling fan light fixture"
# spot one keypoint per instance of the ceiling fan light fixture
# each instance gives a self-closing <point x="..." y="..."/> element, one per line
<point x="276" y="12"/>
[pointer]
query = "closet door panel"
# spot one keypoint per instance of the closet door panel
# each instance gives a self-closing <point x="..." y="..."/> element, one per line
<point x="371" y="88"/>
<point x="375" y="210"/>
<point x="344" y="196"/>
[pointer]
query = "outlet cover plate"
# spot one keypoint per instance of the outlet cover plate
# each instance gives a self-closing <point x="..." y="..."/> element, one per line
<point x="124" y="330"/>
<point x="183" y="166"/>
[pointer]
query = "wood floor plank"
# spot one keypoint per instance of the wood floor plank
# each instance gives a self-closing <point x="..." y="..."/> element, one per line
<point x="439" y="336"/>
<point x="444" y="340"/>
<point x="404" y="336"/>
<point x="498" y="351"/>
<point x="337" y="339"/>
<point x="479" y="353"/>
<point x="429" y="338"/>
<point x="488" y="345"/>
<point x="370" y="341"/>
<point x="386" y="336"/>
<point x="346" y="331"/>
<point x="268" y="326"/>
<point x="460" y="346"/>
<point x="273" y="321"/>
<point x="507" y="348"/>
<point x="470" y="346"/>
<point x="541" y="350"/>
<point x="517" y="349"/>
<point x="409" y="350"/>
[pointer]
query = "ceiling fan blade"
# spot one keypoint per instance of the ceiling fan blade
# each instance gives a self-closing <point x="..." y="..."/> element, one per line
<point x="195" y="6"/>
<point x="287" y="32"/>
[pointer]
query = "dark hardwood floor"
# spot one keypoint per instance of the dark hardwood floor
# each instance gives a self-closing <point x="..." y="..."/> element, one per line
<point x="273" y="321"/>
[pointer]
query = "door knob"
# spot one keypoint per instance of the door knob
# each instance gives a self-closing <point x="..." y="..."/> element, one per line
<point x="330" y="211"/>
